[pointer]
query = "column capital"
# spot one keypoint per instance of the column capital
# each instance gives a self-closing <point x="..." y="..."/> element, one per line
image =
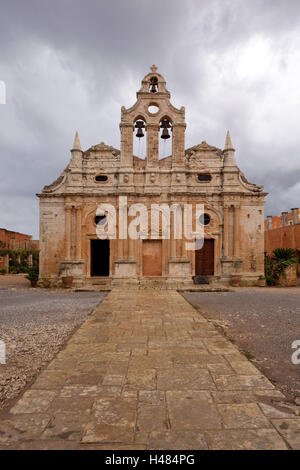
<point x="179" y="124"/>
<point x="126" y="124"/>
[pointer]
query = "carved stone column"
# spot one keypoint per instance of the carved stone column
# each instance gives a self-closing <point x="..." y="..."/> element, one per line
<point x="178" y="145"/>
<point x="68" y="228"/>
<point x="126" y="159"/>
<point x="236" y="248"/>
<point x="178" y="182"/>
<point x="226" y="231"/>
<point x="152" y="145"/>
<point x="78" y="232"/>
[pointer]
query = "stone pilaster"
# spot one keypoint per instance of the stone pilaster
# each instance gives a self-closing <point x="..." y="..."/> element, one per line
<point x="78" y="232"/>
<point x="68" y="229"/>
<point x="126" y="159"/>
<point x="236" y="246"/>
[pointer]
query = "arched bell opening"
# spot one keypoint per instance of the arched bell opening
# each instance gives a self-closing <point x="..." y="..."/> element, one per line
<point x="139" y="138"/>
<point x="165" y="137"/>
<point x="153" y="85"/>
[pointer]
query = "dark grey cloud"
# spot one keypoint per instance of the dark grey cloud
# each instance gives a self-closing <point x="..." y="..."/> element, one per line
<point x="70" y="65"/>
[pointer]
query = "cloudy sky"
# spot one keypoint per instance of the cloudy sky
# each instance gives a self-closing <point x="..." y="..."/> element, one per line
<point x="72" y="64"/>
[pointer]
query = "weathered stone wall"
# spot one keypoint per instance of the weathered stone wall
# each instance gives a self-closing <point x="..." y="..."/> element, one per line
<point x="283" y="237"/>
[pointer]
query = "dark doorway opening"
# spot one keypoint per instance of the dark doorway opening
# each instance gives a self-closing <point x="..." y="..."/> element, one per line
<point x="99" y="257"/>
<point x="205" y="259"/>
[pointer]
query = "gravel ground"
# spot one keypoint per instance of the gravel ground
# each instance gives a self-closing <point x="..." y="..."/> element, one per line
<point x="34" y="324"/>
<point x="263" y="322"/>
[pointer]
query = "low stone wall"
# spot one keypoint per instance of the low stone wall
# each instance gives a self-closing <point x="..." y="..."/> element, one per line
<point x="289" y="277"/>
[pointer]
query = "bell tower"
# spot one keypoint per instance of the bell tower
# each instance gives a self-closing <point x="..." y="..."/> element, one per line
<point x="151" y="114"/>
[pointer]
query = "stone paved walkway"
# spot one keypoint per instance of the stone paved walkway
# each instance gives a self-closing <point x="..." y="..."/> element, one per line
<point x="146" y="371"/>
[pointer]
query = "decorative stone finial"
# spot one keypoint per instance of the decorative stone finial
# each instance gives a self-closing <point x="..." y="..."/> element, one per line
<point x="228" y="143"/>
<point x="76" y="145"/>
<point x="153" y="68"/>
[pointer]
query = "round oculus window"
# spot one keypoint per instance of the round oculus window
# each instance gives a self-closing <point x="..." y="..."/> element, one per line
<point x="100" y="219"/>
<point x="204" y="219"/>
<point x="153" y="109"/>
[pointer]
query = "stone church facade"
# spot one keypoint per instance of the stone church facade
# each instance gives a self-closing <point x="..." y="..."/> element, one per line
<point x="233" y="219"/>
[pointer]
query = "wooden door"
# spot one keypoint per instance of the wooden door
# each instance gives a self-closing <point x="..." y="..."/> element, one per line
<point x="205" y="259"/>
<point x="152" y="258"/>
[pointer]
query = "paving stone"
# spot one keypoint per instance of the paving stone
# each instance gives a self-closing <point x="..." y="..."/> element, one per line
<point x="141" y="437"/>
<point x="85" y="379"/>
<point x="280" y="411"/>
<point x="195" y="359"/>
<point x="219" y="346"/>
<point x="272" y="393"/>
<point x="229" y="397"/>
<point x="63" y="364"/>
<point x="192" y="410"/>
<point x="243" y="382"/>
<point x="290" y="430"/>
<point x="25" y="426"/>
<point x="117" y="368"/>
<point x="177" y="440"/>
<point x="151" y="397"/>
<point x="80" y="403"/>
<point x="88" y="367"/>
<point x="34" y="401"/>
<point x="80" y="390"/>
<point x="105" y="433"/>
<point x="218" y="369"/>
<point x="113" y="379"/>
<point x="45" y="444"/>
<point x="152" y="417"/>
<point x="244" y="368"/>
<point x="184" y="379"/>
<point x="131" y="346"/>
<point x="111" y="446"/>
<point x="67" y="426"/>
<point x="245" y="439"/>
<point x="141" y="379"/>
<point x="115" y="411"/>
<point x="243" y="416"/>
<point x="50" y="380"/>
<point x="152" y="361"/>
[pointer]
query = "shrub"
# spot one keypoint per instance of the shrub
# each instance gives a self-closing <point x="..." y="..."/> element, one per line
<point x="18" y="259"/>
<point x="276" y="265"/>
<point x="33" y="273"/>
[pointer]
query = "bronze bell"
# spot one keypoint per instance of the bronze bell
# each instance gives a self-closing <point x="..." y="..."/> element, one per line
<point x="165" y="134"/>
<point x="139" y="125"/>
<point x="153" y="82"/>
<point x="165" y="125"/>
<point x="139" y="133"/>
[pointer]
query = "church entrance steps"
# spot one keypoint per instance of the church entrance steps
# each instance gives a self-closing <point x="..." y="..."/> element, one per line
<point x="179" y="287"/>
